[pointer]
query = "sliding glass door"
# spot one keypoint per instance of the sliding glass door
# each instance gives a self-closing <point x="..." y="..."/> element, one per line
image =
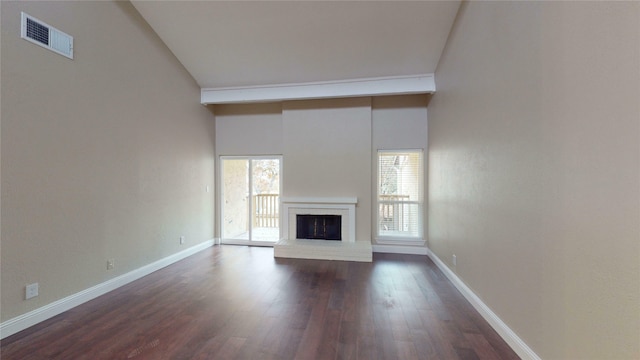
<point x="250" y="199"/>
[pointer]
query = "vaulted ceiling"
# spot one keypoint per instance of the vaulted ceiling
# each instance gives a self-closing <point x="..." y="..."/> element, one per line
<point x="238" y="43"/>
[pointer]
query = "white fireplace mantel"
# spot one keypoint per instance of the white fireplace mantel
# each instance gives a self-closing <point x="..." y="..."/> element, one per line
<point x="345" y="206"/>
<point x="320" y="200"/>
<point x="348" y="249"/>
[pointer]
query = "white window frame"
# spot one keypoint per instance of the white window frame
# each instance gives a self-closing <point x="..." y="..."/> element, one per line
<point x="401" y="240"/>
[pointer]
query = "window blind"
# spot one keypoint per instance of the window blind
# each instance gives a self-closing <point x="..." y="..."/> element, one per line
<point x="400" y="176"/>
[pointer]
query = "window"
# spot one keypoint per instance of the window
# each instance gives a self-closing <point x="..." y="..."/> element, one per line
<point x="400" y="195"/>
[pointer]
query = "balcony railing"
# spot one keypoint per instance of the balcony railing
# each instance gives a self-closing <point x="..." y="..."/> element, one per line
<point x="266" y="210"/>
<point x="392" y="212"/>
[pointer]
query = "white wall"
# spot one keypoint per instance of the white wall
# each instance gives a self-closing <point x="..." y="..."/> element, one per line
<point x="106" y="156"/>
<point x="534" y="140"/>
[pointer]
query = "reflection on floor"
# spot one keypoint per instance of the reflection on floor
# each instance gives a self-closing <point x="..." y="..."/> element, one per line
<point x="260" y="234"/>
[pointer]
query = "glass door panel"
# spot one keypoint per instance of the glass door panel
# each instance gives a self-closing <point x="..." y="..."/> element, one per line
<point x="265" y="215"/>
<point x="235" y="202"/>
<point x="251" y="199"/>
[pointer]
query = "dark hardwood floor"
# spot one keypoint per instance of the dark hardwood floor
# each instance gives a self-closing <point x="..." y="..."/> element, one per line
<point x="235" y="302"/>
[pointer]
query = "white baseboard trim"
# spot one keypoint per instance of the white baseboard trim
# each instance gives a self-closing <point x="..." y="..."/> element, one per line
<point x="48" y="311"/>
<point x="511" y="338"/>
<point x="400" y="249"/>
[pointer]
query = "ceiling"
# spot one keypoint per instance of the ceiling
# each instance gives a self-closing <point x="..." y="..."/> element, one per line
<point x="239" y="43"/>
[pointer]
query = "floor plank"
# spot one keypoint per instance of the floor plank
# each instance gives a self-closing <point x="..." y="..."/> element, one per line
<point x="238" y="302"/>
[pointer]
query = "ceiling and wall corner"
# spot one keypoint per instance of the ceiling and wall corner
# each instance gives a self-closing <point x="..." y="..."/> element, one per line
<point x="260" y="49"/>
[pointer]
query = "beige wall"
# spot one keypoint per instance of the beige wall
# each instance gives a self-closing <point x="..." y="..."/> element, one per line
<point x="328" y="146"/>
<point x="106" y="156"/>
<point x="399" y="122"/>
<point x="249" y="129"/>
<point x="534" y="140"/>
<point x="327" y="152"/>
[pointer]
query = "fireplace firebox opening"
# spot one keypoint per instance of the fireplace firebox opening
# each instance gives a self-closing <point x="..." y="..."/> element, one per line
<point x="319" y="227"/>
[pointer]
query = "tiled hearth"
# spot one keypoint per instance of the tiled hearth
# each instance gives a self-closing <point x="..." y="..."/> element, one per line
<point x="345" y="249"/>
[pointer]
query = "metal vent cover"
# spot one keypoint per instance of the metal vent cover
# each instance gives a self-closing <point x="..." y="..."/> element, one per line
<point x="40" y="33"/>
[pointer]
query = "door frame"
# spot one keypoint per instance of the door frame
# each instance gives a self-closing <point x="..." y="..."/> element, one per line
<point x="220" y="206"/>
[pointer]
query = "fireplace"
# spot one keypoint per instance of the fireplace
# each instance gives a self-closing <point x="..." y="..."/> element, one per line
<point x="307" y="221"/>
<point x="319" y="227"/>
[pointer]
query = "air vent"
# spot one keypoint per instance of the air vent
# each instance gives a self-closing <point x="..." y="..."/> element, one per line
<point x="40" y="33"/>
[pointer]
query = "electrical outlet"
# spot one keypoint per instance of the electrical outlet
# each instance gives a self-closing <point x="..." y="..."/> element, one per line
<point x="110" y="264"/>
<point x="181" y="240"/>
<point x="454" y="260"/>
<point x="31" y="291"/>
